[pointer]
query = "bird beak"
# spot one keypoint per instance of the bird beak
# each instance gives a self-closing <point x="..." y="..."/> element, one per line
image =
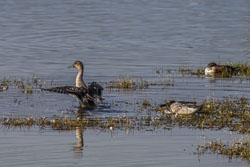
<point x="72" y="66"/>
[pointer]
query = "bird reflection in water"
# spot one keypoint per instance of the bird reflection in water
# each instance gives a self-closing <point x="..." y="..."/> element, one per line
<point x="82" y="113"/>
<point x="79" y="136"/>
<point x="79" y="145"/>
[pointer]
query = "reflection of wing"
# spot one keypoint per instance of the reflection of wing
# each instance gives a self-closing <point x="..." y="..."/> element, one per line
<point x="95" y="90"/>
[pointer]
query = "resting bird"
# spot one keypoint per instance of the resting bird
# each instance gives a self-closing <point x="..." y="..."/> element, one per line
<point x="86" y="94"/>
<point x="181" y="107"/>
<point x="213" y="69"/>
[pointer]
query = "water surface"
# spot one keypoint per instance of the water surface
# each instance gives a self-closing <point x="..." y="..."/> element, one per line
<point x="116" y="38"/>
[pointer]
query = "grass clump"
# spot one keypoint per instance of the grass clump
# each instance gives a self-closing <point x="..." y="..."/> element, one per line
<point x="145" y="103"/>
<point x="242" y="68"/>
<point x="24" y="86"/>
<point x="189" y="71"/>
<point x="67" y="123"/>
<point x="6" y="81"/>
<point x="240" y="148"/>
<point x="4" y="85"/>
<point x="18" y="121"/>
<point x="129" y="83"/>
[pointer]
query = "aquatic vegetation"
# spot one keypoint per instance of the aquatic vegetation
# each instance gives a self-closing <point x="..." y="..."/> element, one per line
<point x="231" y="114"/>
<point x="4" y="84"/>
<point x="35" y="80"/>
<point x="169" y="70"/>
<point x="145" y="103"/>
<point x="169" y="82"/>
<point x="243" y="68"/>
<point x="67" y="123"/>
<point x="6" y="81"/>
<point x="128" y="83"/>
<point x="26" y="86"/>
<point x="240" y="148"/>
<point x="189" y="71"/>
<point x="17" y="121"/>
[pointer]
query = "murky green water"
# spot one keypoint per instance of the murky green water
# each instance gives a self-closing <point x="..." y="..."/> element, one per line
<point x="116" y="38"/>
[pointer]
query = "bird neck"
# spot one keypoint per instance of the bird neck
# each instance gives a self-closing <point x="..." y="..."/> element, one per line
<point x="79" y="80"/>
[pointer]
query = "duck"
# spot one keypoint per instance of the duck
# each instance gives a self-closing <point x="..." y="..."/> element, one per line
<point x="86" y="94"/>
<point x="215" y="69"/>
<point x="181" y="107"/>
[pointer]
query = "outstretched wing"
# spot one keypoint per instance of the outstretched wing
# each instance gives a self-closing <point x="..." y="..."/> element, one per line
<point x="95" y="90"/>
<point x="80" y="93"/>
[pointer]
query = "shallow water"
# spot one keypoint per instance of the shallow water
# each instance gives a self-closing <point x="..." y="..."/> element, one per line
<point x="116" y="38"/>
<point x="176" y="147"/>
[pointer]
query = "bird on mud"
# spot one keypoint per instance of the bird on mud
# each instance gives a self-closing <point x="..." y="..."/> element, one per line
<point x="86" y="94"/>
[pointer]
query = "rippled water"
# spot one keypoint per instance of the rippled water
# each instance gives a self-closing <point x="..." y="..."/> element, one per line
<point x="164" y="148"/>
<point x="117" y="38"/>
